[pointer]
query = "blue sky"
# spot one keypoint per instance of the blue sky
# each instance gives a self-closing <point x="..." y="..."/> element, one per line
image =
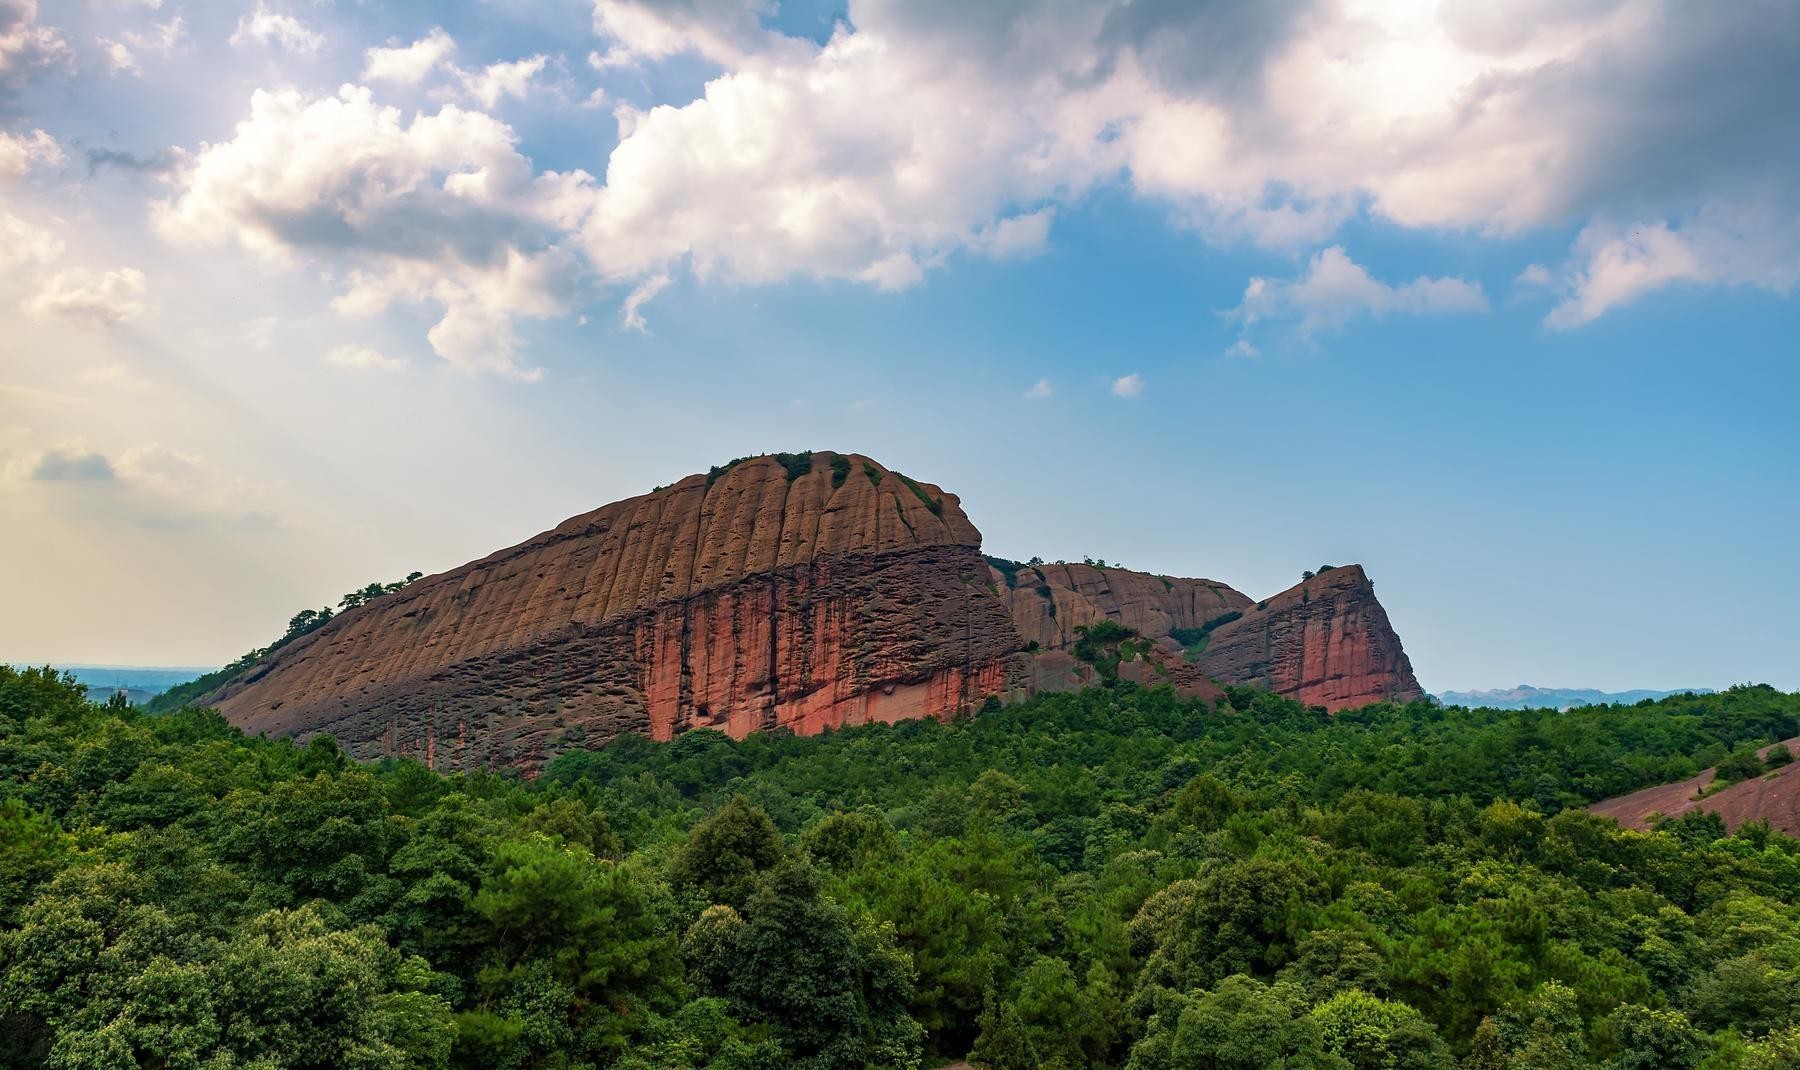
<point x="1494" y="299"/>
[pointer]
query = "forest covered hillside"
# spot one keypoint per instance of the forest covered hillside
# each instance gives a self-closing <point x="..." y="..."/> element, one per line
<point x="1113" y="878"/>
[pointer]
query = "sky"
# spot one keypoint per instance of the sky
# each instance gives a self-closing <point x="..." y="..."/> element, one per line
<point x="1497" y="299"/>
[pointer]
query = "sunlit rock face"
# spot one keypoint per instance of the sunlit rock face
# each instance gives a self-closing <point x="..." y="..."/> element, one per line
<point x="798" y="591"/>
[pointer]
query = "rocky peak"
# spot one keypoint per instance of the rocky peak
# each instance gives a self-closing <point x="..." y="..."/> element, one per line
<point x="1325" y="641"/>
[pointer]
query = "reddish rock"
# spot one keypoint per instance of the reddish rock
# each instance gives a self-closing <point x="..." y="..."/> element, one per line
<point x="1048" y="602"/>
<point x="746" y="602"/>
<point x="1326" y="642"/>
<point x="791" y="592"/>
<point x="1773" y="797"/>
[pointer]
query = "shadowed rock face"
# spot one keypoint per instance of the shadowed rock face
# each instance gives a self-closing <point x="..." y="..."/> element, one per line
<point x="798" y="592"/>
<point x="1326" y="642"/>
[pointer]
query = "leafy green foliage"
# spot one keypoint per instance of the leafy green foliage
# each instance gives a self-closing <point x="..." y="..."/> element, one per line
<point x="1194" y="639"/>
<point x="1115" y="878"/>
<point x="936" y="505"/>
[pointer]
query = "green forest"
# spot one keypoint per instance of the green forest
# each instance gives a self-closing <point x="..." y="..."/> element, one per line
<point x="1116" y="878"/>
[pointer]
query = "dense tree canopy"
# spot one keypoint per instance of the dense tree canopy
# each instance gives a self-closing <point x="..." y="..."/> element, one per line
<point x="1117" y="879"/>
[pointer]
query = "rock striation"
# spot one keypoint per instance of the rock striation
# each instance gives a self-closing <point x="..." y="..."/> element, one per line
<point x="804" y="593"/>
<point x="1326" y="642"/>
<point x="797" y="591"/>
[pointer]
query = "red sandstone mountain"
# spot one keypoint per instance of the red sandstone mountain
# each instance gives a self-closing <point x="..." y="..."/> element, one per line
<point x="800" y="591"/>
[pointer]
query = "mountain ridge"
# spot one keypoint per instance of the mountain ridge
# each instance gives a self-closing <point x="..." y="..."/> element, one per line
<point x="799" y="591"/>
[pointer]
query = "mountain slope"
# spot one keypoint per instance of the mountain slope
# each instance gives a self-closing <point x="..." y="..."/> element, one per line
<point x="799" y="591"/>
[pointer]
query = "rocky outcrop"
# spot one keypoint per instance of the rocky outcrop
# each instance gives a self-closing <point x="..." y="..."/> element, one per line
<point x="1048" y="602"/>
<point x="1326" y="642"/>
<point x="803" y="592"/>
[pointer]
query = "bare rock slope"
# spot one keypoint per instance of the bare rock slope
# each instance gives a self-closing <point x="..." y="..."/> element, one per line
<point x="803" y="591"/>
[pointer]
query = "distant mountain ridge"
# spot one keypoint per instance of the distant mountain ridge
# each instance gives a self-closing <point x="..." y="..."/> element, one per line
<point x="1527" y="697"/>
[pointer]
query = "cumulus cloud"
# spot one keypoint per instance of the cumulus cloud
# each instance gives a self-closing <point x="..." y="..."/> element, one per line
<point x="363" y="357"/>
<point x="1616" y="265"/>
<point x="19" y="153"/>
<point x="24" y="44"/>
<point x="920" y="130"/>
<point x="103" y="299"/>
<point x="1128" y="386"/>
<point x="1039" y="390"/>
<point x="500" y="80"/>
<point x="265" y="27"/>
<point x="24" y="245"/>
<point x="724" y="31"/>
<point x="118" y="58"/>
<point x="440" y="208"/>
<point x="408" y="64"/>
<point x="1333" y="290"/>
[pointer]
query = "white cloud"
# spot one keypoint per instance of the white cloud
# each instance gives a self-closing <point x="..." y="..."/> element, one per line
<point x="265" y="27"/>
<point x="165" y="37"/>
<point x="1334" y="289"/>
<point x="355" y="356"/>
<point x="918" y="131"/>
<point x="1535" y="276"/>
<point x="500" y="80"/>
<point x="1128" y="386"/>
<point x="1039" y="390"/>
<point x="23" y="43"/>
<point x="104" y="300"/>
<point x="1020" y="235"/>
<point x="631" y="314"/>
<point x="119" y="59"/>
<point x="439" y="208"/>
<point x="408" y="64"/>
<point x="1243" y="347"/>
<point x="20" y="152"/>
<point x="26" y="245"/>
<point x="725" y="31"/>
<point x="1616" y="265"/>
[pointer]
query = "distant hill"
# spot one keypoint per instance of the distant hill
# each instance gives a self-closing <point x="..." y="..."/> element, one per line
<point x="137" y="682"/>
<point x="1527" y="697"/>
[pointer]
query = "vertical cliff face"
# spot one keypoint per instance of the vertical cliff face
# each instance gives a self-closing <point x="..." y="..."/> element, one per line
<point x="803" y="592"/>
<point x="800" y="591"/>
<point x="1326" y="642"/>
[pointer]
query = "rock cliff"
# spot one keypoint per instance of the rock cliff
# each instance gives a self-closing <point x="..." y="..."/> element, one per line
<point x="800" y="591"/>
<point x="1326" y="642"/>
<point x="803" y="592"/>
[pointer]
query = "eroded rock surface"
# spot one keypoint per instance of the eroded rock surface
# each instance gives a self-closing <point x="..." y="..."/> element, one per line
<point x="794" y="591"/>
<point x="1326" y="642"/>
<point x="765" y="597"/>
